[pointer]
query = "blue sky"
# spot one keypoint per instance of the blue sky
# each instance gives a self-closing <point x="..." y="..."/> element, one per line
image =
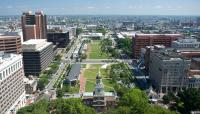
<point x="102" y="7"/>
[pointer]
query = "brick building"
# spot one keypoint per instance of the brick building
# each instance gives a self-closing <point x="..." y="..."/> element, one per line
<point x="143" y="40"/>
<point x="10" y="44"/>
<point x="34" y="26"/>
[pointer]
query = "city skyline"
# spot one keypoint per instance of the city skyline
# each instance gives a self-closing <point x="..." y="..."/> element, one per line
<point x="102" y="7"/>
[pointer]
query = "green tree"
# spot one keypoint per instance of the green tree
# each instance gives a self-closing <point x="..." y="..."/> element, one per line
<point x="101" y="30"/>
<point x="58" y="106"/>
<point x="120" y="110"/>
<point x="125" y="45"/>
<point x="78" y="31"/>
<point x="158" y="110"/>
<point x="57" y="57"/>
<point x="169" y="97"/>
<point x="190" y="99"/>
<point x="106" y="45"/>
<point x="59" y="93"/>
<point x="136" y="100"/>
<point x="36" y="108"/>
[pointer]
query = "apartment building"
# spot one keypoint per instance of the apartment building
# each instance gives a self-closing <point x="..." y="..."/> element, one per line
<point x="12" y="89"/>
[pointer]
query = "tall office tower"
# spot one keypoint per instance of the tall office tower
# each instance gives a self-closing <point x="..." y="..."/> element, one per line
<point x="37" y="55"/>
<point x="58" y="38"/>
<point x="10" y="43"/>
<point x="12" y="89"/>
<point x="34" y="26"/>
<point x="168" y="70"/>
<point x="143" y="40"/>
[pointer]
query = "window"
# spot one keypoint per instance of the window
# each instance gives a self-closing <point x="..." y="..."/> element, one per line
<point x="3" y="74"/>
<point x="9" y="71"/>
<point x="11" y="68"/>
<point x="6" y="72"/>
<point x="0" y="76"/>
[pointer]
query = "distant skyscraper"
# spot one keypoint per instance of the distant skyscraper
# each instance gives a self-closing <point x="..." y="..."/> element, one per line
<point x="34" y="26"/>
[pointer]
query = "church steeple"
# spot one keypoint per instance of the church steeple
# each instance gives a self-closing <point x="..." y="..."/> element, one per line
<point x="99" y="88"/>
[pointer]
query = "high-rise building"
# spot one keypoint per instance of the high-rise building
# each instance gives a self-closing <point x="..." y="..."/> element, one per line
<point x="143" y="40"/>
<point x="37" y="55"/>
<point x="58" y="38"/>
<point x="12" y="89"/>
<point x="34" y="26"/>
<point x="10" y="43"/>
<point x="168" y="70"/>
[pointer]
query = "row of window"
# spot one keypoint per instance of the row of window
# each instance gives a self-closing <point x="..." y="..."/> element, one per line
<point x="8" y="71"/>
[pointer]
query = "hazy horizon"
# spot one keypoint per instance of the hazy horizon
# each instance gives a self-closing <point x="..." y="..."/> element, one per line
<point x="102" y="7"/>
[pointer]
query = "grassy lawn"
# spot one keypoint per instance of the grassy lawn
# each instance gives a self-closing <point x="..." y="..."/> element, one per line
<point x="90" y="85"/>
<point x="93" y="70"/>
<point x="90" y="75"/>
<point x="95" y="52"/>
<point x="83" y="65"/>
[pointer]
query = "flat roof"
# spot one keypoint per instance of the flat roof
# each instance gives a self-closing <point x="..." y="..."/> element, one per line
<point x="195" y="76"/>
<point x="6" y="59"/>
<point x="141" y="34"/>
<point x="196" y="59"/>
<point x="34" y="41"/>
<point x="167" y="54"/>
<point x="90" y="94"/>
<point x="35" y="44"/>
<point x="74" y="72"/>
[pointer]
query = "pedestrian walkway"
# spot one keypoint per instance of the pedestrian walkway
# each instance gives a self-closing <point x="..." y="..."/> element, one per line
<point x="82" y="82"/>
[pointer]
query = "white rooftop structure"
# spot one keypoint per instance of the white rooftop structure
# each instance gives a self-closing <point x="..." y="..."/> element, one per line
<point x="7" y="59"/>
<point x="92" y="35"/>
<point x="35" y="44"/>
<point x="186" y="43"/>
<point x="119" y="35"/>
<point x="128" y="34"/>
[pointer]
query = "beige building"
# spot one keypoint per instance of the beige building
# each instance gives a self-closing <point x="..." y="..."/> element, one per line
<point x="168" y="70"/>
<point x="10" y="44"/>
<point x="12" y="89"/>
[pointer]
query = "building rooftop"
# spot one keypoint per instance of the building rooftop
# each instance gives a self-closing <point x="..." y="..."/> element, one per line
<point x="157" y="34"/>
<point x="196" y="59"/>
<point x="35" y="44"/>
<point x="169" y="54"/>
<point x="195" y="76"/>
<point x="91" y="94"/>
<point x="9" y="35"/>
<point x="74" y="72"/>
<point x="7" y="58"/>
<point x="187" y="40"/>
<point x="93" y="35"/>
<point x="28" y="81"/>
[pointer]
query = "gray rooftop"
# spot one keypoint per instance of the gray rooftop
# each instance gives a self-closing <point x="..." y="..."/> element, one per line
<point x="168" y="54"/>
<point x="74" y="72"/>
